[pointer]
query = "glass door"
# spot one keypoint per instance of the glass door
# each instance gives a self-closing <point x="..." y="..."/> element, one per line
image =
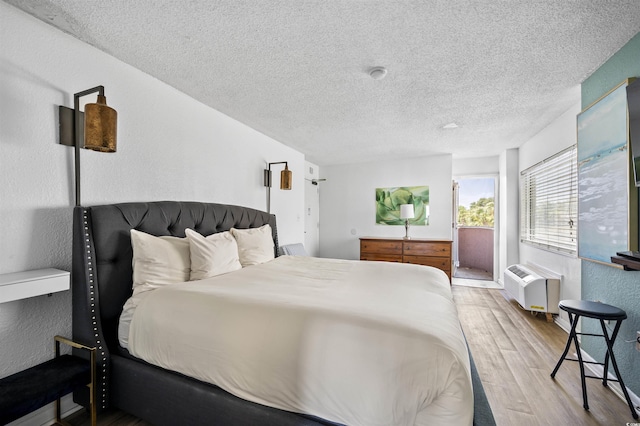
<point x="474" y="227"/>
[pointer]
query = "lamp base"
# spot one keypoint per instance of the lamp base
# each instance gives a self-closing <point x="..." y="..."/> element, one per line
<point x="406" y="230"/>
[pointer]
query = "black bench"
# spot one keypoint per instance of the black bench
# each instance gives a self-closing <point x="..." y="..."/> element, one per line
<point x="35" y="387"/>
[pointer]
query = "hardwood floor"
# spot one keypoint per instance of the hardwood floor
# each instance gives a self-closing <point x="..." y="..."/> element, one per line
<point x="514" y="352"/>
<point x="109" y="418"/>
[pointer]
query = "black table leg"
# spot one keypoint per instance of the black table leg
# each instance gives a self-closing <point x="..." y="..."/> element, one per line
<point x="566" y="348"/>
<point x="610" y="355"/>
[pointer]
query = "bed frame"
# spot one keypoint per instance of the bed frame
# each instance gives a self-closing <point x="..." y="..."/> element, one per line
<point x="102" y="282"/>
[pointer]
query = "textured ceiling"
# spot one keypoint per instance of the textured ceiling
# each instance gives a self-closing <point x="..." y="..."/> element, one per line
<point x="298" y="70"/>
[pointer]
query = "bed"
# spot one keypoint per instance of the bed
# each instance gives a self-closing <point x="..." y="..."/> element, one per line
<point x="168" y="392"/>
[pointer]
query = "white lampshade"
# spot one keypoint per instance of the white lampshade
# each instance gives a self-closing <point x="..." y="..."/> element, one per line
<point x="406" y="211"/>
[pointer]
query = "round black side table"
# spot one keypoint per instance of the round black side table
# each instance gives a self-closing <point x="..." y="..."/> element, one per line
<point x="601" y="312"/>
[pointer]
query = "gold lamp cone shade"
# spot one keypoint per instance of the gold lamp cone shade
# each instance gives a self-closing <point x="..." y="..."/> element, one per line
<point x="100" y="129"/>
<point x="285" y="178"/>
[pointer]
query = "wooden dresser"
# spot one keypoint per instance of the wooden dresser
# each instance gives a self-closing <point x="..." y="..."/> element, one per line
<point x="436" y="253"/>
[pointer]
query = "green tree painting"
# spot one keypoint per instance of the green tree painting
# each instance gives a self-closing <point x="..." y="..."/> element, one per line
<point x="388" y="201"/>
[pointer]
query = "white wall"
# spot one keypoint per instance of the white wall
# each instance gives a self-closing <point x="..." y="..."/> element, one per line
<point x="476" y="167"/>
<point x="554" y="138"/>
<point x="347" y="201"/>
<point x="312" y="209"/>
<point x="170" y="148"/>
<point x="509" y="202"/>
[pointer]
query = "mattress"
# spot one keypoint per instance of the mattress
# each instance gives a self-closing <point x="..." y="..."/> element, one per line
<point x="358" y="343"/>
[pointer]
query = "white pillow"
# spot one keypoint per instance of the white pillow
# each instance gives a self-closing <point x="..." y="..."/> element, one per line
<point x="158" y="261"/>
<point x="212" y="255"/>
<point x="255" y="245"/>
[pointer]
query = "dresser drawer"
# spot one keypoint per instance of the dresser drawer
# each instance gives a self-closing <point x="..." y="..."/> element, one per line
<point x="381" y="257"/>
<point x="417" y="248"/>
<point x="437" y="262"/>
<point x="436" y="253"/>
<point x="380" y="247"/>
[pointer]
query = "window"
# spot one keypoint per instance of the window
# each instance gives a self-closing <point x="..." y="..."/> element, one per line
<point x="548" y="203"/>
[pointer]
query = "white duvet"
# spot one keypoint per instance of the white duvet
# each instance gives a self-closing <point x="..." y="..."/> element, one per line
<point x="358" y="343"/>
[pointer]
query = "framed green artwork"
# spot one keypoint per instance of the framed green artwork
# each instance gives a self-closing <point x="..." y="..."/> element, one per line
<point x="389" y="200"/>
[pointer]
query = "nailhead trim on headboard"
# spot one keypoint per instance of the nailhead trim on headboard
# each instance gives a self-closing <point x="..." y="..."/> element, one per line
<point x="94" y="321"/>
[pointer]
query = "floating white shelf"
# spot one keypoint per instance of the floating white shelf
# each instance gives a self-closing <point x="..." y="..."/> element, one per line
<point x="21" y="285"/>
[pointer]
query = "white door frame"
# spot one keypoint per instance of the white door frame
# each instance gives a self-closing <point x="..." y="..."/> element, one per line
<point x="496" y="218"/>
<point x="311" y="217"/>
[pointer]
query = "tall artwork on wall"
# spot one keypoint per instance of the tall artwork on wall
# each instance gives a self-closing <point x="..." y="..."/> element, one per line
<point x="607" y="199"/>
<point x="389" y="200"/>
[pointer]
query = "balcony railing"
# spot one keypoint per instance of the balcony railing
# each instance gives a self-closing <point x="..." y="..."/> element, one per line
<point x="475" y="248"/>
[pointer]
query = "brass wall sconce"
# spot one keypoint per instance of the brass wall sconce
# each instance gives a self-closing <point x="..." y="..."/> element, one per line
<point x="95" y="128"/>
<point x="285" y="180"/>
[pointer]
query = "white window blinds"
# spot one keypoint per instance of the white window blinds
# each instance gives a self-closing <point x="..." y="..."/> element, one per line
<point x="548" y="203"/>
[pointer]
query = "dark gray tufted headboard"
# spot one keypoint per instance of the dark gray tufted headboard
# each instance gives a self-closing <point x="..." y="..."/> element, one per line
<point x="102" y="254"/>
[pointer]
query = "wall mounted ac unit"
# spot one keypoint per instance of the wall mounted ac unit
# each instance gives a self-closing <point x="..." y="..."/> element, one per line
<point x="534" y="289"/>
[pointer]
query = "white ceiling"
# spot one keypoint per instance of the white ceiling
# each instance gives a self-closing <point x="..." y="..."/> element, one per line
<point x="298" y="70"/>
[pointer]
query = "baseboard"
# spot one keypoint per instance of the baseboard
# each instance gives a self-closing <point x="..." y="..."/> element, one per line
<point x="47" y="415"/>
<point x="598" y="370"/>
<point x="563" y="323"/>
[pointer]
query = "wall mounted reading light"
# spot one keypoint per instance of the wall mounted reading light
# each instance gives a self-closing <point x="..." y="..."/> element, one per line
<point x="406" y="213"/>
<point x="95" y="129"/>
<point x="285" y="180"/>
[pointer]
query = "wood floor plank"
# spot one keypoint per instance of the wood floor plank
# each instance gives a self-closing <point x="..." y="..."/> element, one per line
<point x="515" y="371"/>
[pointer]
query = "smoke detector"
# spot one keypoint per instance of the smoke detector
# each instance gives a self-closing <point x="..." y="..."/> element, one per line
<point x="378" y="73"/>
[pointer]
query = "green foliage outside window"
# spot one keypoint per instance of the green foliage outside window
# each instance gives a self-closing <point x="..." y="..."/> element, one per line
<point x="479" y="213"/>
